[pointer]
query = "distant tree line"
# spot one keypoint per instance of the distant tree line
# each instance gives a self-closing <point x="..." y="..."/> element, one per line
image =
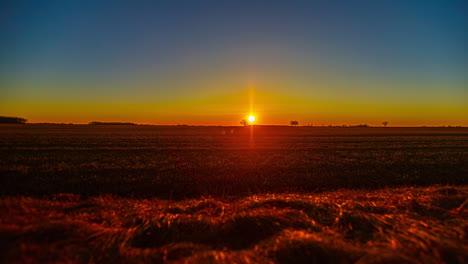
<point x="12" y="120"/>
<point x="112" y="123"/>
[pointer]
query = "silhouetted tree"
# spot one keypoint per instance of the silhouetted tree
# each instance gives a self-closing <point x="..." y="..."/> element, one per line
<point x="243" y="122"/>
<point x="294" y="123"/>
<point x="12" y="120"/>
<point x="385" y="123"/>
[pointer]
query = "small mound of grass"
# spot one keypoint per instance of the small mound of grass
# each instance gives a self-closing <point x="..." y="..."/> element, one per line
<point x="248" y="228"/>
<point x="323" y="213"/>
<point x="299" y="246"/>
<point x="177" y="230"/>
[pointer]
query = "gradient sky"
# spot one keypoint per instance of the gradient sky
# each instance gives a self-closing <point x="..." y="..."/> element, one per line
<point x="208" y="62"/>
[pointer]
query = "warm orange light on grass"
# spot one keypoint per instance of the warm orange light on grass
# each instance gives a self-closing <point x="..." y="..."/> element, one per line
<point x="251" y="119"/>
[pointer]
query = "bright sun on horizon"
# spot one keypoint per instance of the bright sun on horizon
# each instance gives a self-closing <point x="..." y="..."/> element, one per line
<point x="251" y="119"/>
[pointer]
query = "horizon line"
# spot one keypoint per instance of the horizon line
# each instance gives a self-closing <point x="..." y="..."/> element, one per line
<point x="254" y="125"/>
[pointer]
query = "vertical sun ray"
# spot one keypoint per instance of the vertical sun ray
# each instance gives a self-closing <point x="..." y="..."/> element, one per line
<point x="251" y="93"/>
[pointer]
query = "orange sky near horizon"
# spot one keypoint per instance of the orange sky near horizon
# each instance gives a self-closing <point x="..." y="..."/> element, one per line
<point x="268" y="108"/>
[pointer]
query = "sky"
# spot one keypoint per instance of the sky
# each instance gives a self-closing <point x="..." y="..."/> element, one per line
<point x="213" y="62"/>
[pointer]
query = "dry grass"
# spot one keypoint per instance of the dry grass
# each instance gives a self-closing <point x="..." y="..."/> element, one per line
<point x="392" y="225"/>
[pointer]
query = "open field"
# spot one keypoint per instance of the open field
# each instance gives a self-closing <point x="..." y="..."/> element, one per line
<point x="184" y="162"/>
<point x="79" y="193"/>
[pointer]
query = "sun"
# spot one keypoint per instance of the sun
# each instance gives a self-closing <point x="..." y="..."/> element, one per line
<point x="251" y="119"/>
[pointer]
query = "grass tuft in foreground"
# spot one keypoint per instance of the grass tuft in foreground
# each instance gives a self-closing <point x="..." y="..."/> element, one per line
<point x="393" y="225"/>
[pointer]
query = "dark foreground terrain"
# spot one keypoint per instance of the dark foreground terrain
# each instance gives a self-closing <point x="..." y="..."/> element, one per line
<point x="130" y="194"/>
<point x="398" y="225"/>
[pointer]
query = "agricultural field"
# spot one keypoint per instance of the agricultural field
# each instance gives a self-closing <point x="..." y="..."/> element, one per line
<point x="256" y="194"/>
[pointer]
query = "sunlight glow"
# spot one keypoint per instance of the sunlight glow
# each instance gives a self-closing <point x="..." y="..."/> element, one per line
<point x="251" y="119"/>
